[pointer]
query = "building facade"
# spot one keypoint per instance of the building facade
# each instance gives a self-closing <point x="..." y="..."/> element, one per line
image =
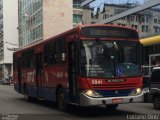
<point x="41" y="19"/>
<point x="146" y="22"/>
<point x="8" y="35"/>
<point x="30" y="21"/>
<point x="77" y="12"/>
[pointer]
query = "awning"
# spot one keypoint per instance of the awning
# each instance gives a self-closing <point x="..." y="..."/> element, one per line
<point x="150" y="40"/>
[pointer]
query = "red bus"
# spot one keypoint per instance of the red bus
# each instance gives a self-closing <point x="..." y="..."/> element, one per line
<point x="87" y="65"/>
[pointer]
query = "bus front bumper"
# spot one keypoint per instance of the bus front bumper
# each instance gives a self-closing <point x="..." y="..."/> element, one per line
<point x="90" y="101"/>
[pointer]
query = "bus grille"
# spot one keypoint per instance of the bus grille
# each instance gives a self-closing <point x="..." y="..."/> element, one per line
<point x="112" y="93"/>
<point x="116" y="86"/>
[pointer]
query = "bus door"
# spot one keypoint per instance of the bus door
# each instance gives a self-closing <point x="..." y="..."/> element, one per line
<point x="72" y="63"/>
<point x="39" y="67"/>
<point x="19" y="74"/>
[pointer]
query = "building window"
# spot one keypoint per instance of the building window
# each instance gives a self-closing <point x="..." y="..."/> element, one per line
<point x="157" y="29"/>
<point x="94" y="16"/>
<point x="136" y="18"/>
<point x="143" y="19"/>
<point x="134" y="26"/>
<point x="147" y="19"/>
<point x="77" y="18"/>
<point x="128" y="18"/>
<point x="124" y="18"/>
<point x="144" y="28"/>
<point x="105" y="16"/>
<point x="132" y="17"/>
<point x="155" y="20"/>
<point x="77" y="4"/>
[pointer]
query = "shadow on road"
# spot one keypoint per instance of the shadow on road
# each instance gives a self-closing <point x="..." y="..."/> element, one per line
<point x="42" y="103"/>
<point x="83" y="112"/>
<point x="96" y="111"/>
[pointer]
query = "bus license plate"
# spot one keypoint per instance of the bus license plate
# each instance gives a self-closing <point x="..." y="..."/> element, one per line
<point x="119" y="100"/>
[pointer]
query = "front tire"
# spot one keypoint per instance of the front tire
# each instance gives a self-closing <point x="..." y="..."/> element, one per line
<point x="111" y="107"/>
<point x="61" y="100"/>
<point x="156" y="102"/>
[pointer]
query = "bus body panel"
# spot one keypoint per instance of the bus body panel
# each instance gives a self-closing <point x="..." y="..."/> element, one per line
<point x="104" y="84"/>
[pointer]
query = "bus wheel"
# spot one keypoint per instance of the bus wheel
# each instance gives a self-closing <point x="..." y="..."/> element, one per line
<point x="61" y="100"/>
<point x="112" y="107"/>
<point x="156" y="102"/>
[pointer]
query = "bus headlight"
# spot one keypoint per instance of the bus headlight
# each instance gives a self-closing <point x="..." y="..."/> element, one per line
<point x="91" y="93"/>
<point x="136" y="91"/>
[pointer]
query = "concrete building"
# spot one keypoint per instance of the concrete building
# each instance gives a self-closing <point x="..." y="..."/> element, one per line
<point x="77" y="12"/>
<point x="41" y="19"/>
<point x="146" y="22"/>
<point x="8" y="34"/>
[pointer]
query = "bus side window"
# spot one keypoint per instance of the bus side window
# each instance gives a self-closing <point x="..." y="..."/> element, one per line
<point x="15" y="64"/>
<point x="49" y="53"/>
<point x="31" y="58"/>
<point x="60" y="50"/>
<point x="25" y="60"/>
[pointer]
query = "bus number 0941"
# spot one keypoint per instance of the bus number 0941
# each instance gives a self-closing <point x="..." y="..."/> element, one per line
<point x="97" y="82"/>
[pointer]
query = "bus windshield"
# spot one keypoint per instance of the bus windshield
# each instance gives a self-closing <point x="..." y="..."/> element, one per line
<point x="109" y="59"/>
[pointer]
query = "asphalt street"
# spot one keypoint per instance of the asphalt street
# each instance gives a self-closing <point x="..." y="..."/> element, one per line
<point x="14" y="106"/>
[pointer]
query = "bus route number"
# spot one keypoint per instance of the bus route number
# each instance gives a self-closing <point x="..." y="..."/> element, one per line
<point x="97" y="82"/>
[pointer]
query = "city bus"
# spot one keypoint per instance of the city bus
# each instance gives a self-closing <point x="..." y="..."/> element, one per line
<point x="86" y="66"/>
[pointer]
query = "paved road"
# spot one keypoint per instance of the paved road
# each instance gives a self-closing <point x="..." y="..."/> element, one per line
<point x="13" y="105"/>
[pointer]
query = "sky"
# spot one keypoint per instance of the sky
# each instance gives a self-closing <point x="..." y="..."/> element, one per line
<point x="98" y="2"/>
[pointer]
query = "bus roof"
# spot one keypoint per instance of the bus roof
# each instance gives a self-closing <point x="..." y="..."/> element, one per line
<point x="71" y="31"/>
<point x="150" y="40"/>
